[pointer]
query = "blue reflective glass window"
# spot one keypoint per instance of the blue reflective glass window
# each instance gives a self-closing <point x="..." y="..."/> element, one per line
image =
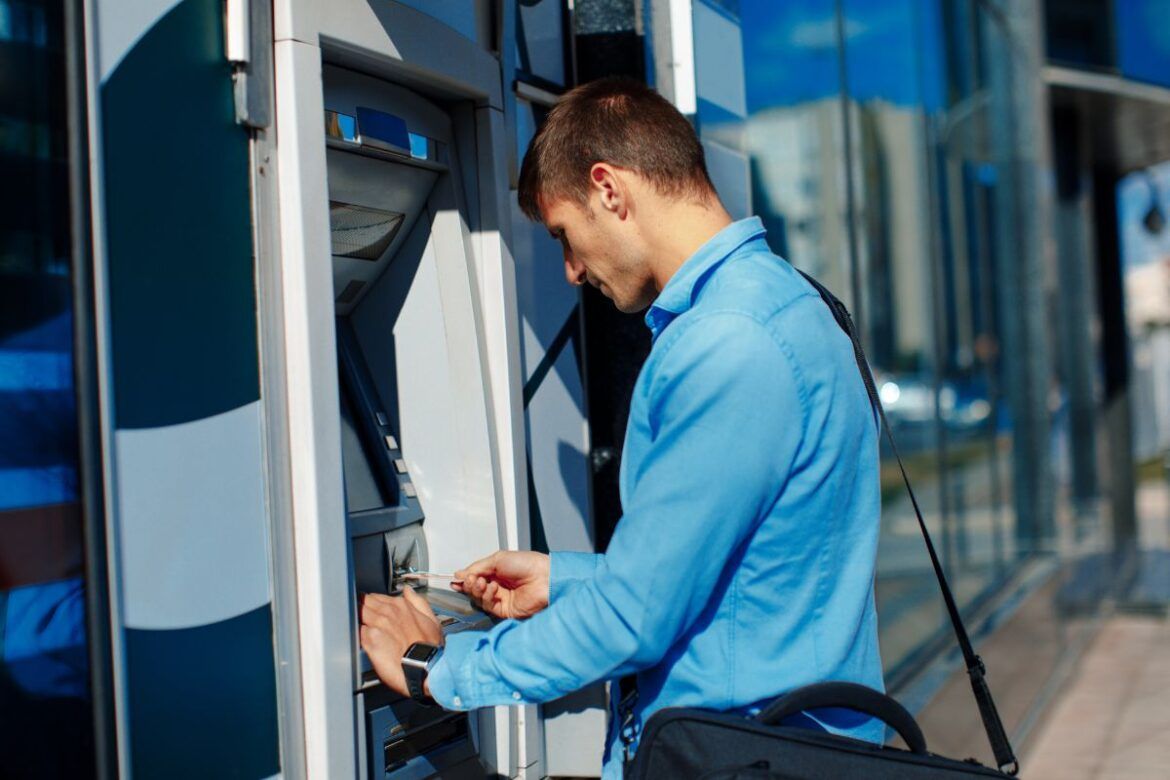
<point x="1143" y="40"/>
<point x="878" y="144"/>
<point x="45" y="715"/>
<point x="1080" y="33"/>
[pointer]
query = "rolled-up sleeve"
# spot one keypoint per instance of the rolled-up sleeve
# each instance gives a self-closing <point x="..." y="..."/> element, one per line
<point x="566" y="568"/>
<point x="726" y="411"/>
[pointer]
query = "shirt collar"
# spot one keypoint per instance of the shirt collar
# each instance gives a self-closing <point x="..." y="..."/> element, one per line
<point x="678" y="294"/>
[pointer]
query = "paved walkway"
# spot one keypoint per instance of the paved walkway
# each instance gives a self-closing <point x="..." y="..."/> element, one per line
<point x="1113" y="721"/>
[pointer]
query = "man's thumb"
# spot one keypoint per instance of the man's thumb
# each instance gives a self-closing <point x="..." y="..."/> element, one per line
<point x="484" y="567"/>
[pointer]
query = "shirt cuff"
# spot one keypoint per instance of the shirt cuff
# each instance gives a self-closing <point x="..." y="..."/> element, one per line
<point x="441" y="683"/>
<point x="568" y="567"/>
<point x="454" y="682"/>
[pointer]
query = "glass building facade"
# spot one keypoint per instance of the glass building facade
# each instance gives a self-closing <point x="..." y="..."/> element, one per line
<point x="899" y="152"/>
<point x="44" y="665"/>
<point x="881" y="140"/>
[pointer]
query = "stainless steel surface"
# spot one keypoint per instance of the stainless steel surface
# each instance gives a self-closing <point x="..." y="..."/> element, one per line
<point x="252" y="77"/>
<point x="379" y="154"/>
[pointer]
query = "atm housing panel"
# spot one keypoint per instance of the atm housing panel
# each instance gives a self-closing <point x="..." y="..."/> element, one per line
<point x="392" y="171"/>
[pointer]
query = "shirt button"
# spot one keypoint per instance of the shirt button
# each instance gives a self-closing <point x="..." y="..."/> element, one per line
<point x="516" y="695"/>
<point x="458" y="702"/>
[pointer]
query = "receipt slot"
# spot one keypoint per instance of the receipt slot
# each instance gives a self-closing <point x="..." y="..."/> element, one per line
<point x="416" y="454"/>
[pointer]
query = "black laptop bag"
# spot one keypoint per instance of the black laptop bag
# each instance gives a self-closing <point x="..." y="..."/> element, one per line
<point x="694" y="743"/>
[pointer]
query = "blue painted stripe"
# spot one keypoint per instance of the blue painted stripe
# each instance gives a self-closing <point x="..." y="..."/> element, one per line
<point x="203" y="700"/>
<point x="178" y="219"/>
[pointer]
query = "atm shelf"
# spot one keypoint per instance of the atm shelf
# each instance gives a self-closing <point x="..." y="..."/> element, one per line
<point x="379" y="154"/>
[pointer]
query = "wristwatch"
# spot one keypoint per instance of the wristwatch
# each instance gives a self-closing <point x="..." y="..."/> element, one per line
<point x="417" y="663"/>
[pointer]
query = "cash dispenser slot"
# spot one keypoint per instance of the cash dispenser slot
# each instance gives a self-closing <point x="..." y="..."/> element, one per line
<point x="408" y="740"/>
<point x="412" y="744"/>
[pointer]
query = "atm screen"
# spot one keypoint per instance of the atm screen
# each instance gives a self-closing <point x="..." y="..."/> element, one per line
<point x="378" y="492"/>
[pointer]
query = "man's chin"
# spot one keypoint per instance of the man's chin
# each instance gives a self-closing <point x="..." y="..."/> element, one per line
<point x="628" y="307"/>
<point x="624" y="305"/>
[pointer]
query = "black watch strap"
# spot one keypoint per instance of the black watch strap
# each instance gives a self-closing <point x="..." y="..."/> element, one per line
<point x="416" y="671"/>
<point x="415" y="683"/>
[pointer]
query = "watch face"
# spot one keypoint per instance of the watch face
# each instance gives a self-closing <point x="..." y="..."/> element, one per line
<point x="420" y="652"/>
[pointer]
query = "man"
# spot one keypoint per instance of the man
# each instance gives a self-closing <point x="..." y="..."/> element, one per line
<point x="743" y="564"/>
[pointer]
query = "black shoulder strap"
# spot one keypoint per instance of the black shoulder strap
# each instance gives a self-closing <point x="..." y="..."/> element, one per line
<point x="1000" y="744"/>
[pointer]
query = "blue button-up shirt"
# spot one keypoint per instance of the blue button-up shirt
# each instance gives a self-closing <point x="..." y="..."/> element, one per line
<point x="743" y="564"/>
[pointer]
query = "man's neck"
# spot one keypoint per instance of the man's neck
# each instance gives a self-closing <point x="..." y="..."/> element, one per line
<point x="680" y="230"/>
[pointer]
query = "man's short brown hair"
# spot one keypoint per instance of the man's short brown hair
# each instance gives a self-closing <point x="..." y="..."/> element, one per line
<point x="618" y="121"/>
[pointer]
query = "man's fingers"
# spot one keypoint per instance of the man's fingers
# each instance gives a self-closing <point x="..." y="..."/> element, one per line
<point x="377" y="601"/>
<point x="472" y="577"/>
<point x="474" y="589"/>
<point x="418" y="602"/>
<point x="373" y="614"/>
<point x="379" y="610"/>
<point x="478" y="587"/>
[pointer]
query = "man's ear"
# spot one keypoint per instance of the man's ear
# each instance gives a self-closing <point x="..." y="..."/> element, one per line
<point x="609" y="187"/>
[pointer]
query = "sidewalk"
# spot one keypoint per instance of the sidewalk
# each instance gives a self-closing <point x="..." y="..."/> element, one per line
<point x="1113" y="721"/>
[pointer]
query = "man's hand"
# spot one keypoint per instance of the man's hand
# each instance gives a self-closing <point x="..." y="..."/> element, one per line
<point x="390" y="625"/>
<point x="507" y="584"/>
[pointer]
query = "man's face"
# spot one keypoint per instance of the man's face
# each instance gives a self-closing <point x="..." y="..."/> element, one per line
<point x="603" y="249"/>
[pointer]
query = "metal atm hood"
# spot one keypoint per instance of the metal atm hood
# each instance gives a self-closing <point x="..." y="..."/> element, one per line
<point x="386" y="149"/>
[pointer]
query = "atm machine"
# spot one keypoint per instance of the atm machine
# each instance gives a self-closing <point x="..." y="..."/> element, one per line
<point x="414" y="427"/>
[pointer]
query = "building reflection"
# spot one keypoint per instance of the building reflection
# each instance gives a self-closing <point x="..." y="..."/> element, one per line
<point x="46" y="722"/>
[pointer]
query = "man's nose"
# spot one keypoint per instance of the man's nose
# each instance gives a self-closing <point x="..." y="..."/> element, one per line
<point x="574" y="271"/>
